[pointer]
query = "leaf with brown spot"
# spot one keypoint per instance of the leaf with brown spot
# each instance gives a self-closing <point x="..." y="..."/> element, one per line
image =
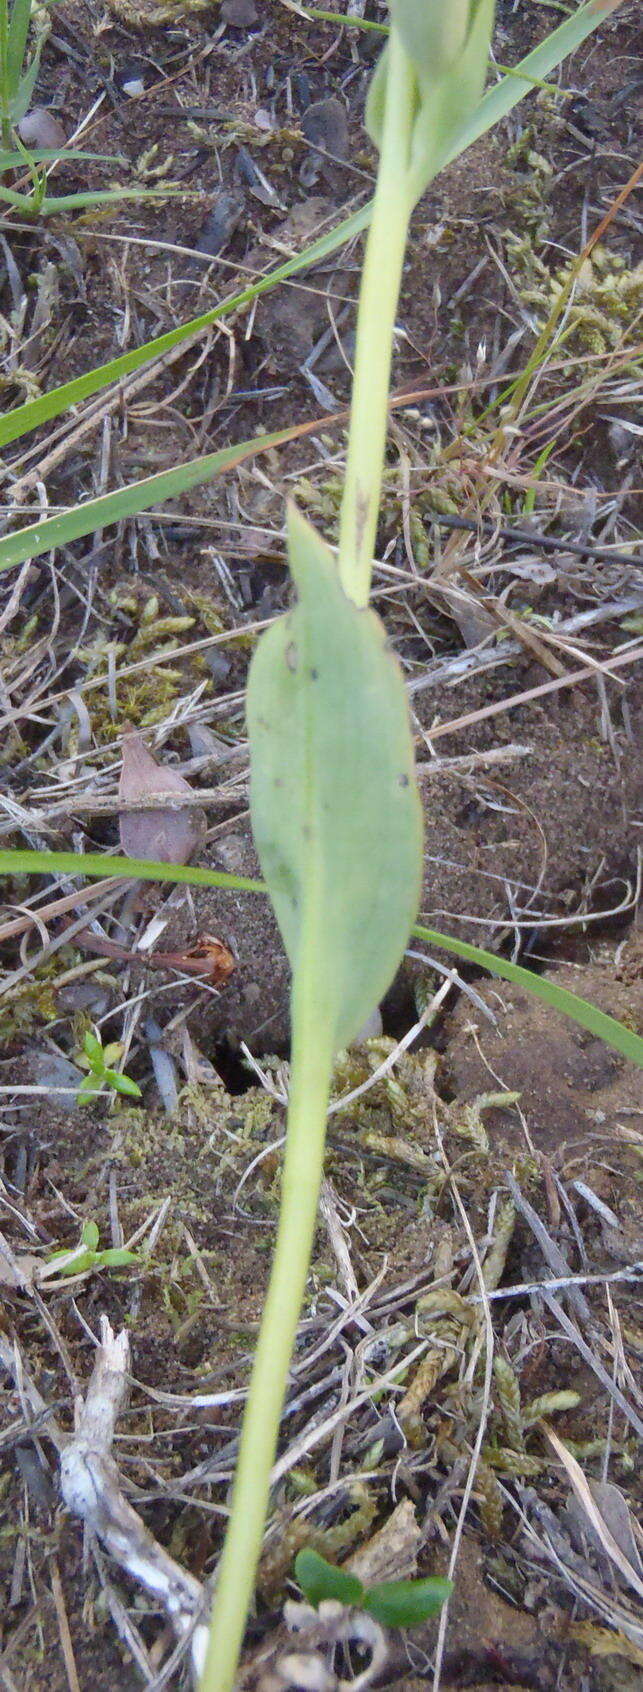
<point x="169" y="836"/>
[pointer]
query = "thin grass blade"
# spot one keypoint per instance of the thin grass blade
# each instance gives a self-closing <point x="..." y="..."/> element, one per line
<point x="17" y="37"/>
<point x="95" y="865"/>
<point x="588" y="1016"/>
<point x="37" y="538"/>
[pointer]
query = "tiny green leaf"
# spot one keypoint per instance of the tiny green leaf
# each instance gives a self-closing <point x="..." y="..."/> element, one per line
<point x="123" y="1083"/>
<point x="94" y="1051"/>
<point x="406" y="1603"/>
<point x="115" y="1257"/>
<point x="89" y="1088"/>
<point x="90" y="1235"/>
<point x="319" y="1579"/>
<point x="112" y="1051"/>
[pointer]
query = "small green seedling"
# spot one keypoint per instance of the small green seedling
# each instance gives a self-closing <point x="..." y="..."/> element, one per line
<point x="98" y="1060"/>
<point x="393" y="1603"/>
<point x="87" y="1255"/>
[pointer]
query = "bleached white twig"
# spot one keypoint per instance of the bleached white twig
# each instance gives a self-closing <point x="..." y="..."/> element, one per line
<point x="91" y="1489"/>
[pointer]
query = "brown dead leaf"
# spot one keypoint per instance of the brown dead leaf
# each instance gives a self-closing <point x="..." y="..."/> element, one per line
<point x="392" y="1552"/>
<point x="208" y="958"/>
<point x="168" y="836"/>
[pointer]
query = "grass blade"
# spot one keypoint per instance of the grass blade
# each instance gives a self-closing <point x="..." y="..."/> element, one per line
<point x="588" y="1016"/>
<point x="17" y="37"/>
<point x="34" y="412"/>
<point x="45" y="155"/>
<point x="37" y="538"/>
<point x="99" y="864"/>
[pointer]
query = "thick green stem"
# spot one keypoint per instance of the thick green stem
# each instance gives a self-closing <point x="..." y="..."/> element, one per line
<point x="379" y="294"/>
<point x="302" y="1173"/>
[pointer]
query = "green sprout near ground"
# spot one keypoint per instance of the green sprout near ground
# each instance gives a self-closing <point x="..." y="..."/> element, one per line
<point x="392" y="1603"/>
<point x="87" y="1256"/>
<point x="99" y="1061"/>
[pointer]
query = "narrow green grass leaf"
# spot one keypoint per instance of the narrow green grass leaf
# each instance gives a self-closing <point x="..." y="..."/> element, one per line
<point x="336" y="816"/>
<point x="17" y="37"/>
<point x="495" y="104"/>
<point x="34" y="412"/>
<point x="50" y="205"/>
<point x="44" y="155"/>
<point x="37" y="538"/>
<point x="315" y="12"/>
<point x="319" y="1580"/>
<point x="98" y="864"/>
<point x="23" y="88"/>
<point x="588" y="1016"/>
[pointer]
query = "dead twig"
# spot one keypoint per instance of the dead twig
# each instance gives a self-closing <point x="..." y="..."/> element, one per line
<point x="91" y="1489"/>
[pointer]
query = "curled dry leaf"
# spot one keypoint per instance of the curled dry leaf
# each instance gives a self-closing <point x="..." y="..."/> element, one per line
<point x="208" y="958"/>
<point x="168" y="836"/>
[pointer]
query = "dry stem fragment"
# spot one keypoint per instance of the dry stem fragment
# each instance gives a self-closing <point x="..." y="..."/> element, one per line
<point x="91" y="1488"/>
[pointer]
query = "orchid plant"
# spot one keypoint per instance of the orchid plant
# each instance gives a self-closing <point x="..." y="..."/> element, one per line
<point x="335" y="809"/>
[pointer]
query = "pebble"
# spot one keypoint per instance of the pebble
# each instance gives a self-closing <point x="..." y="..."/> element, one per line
<point x="39" y="128"/>
<point x="301" y="89"/>
<point x="325" y="125"/>
<point x="49" y="1068"/>
<point x="130" y="78"/>
<point x="240" y="14"/>
<point x="220" y="225"/>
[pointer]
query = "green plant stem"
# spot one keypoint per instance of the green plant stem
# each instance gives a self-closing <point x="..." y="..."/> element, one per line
<point x="302" y="1172"/>
<point x="379" y="294"/>
<point x="5" y="92"/>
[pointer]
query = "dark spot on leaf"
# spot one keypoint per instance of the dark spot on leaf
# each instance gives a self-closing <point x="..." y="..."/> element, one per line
<point x="314" y="674"/>
<point x="279" y="781"/>
<point x="291" y="656"/>
<point x="403" y="781"/>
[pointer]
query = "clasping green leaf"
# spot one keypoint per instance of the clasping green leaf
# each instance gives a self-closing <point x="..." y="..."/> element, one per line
<point x="335" y="812"/>
<point x="447" y="43"/>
